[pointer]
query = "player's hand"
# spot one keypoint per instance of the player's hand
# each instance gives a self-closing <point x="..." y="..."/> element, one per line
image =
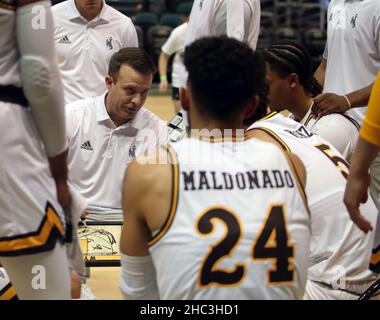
<point x="63" y="194"/>
<point x="356" y="193"/>
<point x="327" y="103"/>
<point x="75" y="285"/>
<point x="163" y="86"/>
<point x="59" y="171"/>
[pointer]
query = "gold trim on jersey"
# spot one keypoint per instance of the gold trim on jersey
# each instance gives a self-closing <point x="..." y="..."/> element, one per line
<point x="274" y="136"/>
<point x="223" y="139"/>
<point x="288" y="244"/>
<point x="49" y="230"/>
<point x="310" y="116"/>
<point x="301" y="188"/>
<point x="268" y="116"/>
<point x="375" y="260"/>
<point x="174" y="197"/>
<point x="287" y="150"/>
<point x="214" y="267"/>
<point x="8" y="292"/>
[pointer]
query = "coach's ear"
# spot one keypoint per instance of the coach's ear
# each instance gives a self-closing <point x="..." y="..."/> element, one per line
<point x="184" y="99"/>
<point x="251" y="107"/>
<point x="109" y="81"/>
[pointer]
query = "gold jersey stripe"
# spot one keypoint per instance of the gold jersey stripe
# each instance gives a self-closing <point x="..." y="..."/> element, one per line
<point x="36" y="239"/>
<point x="8" y="293"/>
<point x="375" y="258"/>
<point x="274" y="136"/>
<point x="174" y="198"/>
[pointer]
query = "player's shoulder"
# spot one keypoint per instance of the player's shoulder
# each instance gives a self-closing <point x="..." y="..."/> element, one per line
<point x="180" y="29"/>
<point x="341" y="122"/>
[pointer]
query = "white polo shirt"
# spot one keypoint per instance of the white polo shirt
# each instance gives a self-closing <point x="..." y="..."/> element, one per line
<point x="99" y="152"/>
<point x="85" y="48"/>
<point x="352" y="48"/>
<point x="239" y="19"/>
<point x="176" y="44"/>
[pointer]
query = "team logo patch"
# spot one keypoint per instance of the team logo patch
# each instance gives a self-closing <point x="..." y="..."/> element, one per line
<point x="109" y="43"/>
<point x="64" y="40"/>
<point x="132" y="152"/>
<point x="353" y="21"/>
<point x="87" y="146"/>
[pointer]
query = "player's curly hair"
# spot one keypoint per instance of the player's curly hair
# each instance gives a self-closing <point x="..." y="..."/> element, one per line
<point x="224" y="74"/>
<point x="291" y="57"/>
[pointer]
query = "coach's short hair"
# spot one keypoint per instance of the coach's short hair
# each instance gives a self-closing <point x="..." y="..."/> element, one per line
<point x="224" y="74"/>
<point x="137" y="58"/>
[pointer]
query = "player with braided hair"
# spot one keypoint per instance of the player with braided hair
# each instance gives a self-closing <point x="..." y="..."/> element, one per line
<point x="292" y="86"/>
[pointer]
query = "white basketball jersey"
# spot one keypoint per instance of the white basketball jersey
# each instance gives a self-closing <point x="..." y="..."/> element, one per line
<point x="8" y="44"/>
<point x="238" y="226"/>
<point x="340" y="252"/>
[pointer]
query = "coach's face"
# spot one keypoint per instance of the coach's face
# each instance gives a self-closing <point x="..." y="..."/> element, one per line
<point x="278" y="90"/>
<point x="88" y="6"/>
<point x="126" y="94"/>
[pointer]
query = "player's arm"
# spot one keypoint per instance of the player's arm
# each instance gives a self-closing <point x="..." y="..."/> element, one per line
<point x="42" y="85"/>
<point x="162" y="69"/>
<point x="319" y="74"/>
<point x="358" y="182"/>
<point x="138" y="276"/>
<point x="327" y="103"/>
<point x="145" y="199"/>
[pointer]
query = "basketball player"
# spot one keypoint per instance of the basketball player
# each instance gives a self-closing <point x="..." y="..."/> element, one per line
<point x="293" y="86"/>
<point x="202" y="228"/>
<point x="33" y="146"/>
<point x="339" y="251"/>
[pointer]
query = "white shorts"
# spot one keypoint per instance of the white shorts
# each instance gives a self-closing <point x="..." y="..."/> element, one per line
<point x="31" y="219"/>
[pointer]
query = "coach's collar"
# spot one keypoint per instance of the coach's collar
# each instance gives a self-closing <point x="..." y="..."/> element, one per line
<point x="73" y="12"/>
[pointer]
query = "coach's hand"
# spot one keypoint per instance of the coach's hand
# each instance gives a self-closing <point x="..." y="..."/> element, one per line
<point x="327" y="103"/>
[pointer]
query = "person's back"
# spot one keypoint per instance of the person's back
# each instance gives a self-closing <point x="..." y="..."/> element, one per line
<point x="239" y="19"/>
<point x="340" y="252"/>
<point x="217" y="242"/>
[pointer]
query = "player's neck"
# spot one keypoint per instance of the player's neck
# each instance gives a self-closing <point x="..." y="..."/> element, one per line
<point x="300" y="107"/>
<point x="217" y="129"/>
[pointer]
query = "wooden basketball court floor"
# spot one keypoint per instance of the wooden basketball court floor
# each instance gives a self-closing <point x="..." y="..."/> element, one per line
<point x="104" y="281"/>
